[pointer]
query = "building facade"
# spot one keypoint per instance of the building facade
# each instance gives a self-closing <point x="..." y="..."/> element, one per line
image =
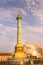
<point x="5" y="56"/>
<point x="33" y="50"/>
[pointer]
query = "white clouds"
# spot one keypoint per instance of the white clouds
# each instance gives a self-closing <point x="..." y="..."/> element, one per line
<point x="7" y="40"/>
<point x="5" y="29"/>
<point x="1" y="25"/>
<point x="33" y="34"/>
<point x="36" y="29"/>
<point x="8" y="14"/>
<point x="4" y="13"/>
<point x="23" y="11"/>
<point x="36" y="8"/>
<point x="7" y="33"/>
<point x="9" y="29"/>
<point x="5" y="45"/>
<point x="39" y="15"/>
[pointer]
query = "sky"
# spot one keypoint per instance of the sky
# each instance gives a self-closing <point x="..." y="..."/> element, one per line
<point x="32" y="23"/>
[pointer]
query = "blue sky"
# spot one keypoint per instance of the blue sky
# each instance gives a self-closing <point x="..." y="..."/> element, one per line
<point x="32" y="22"/>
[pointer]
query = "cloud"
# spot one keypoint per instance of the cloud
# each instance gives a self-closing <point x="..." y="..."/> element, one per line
<point x="9" y="29"/>
<point x="10" y="14"/>
<point x="39" y="15"/>
<point x="1" y="25"/>
<point x="7" y="38"/>
<point x="5" y="29"/>
<point x="32" y="34"/>
<point x="35" y="7"/>
<point x="37" y="29"/>
<point x="5" y="45"/>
